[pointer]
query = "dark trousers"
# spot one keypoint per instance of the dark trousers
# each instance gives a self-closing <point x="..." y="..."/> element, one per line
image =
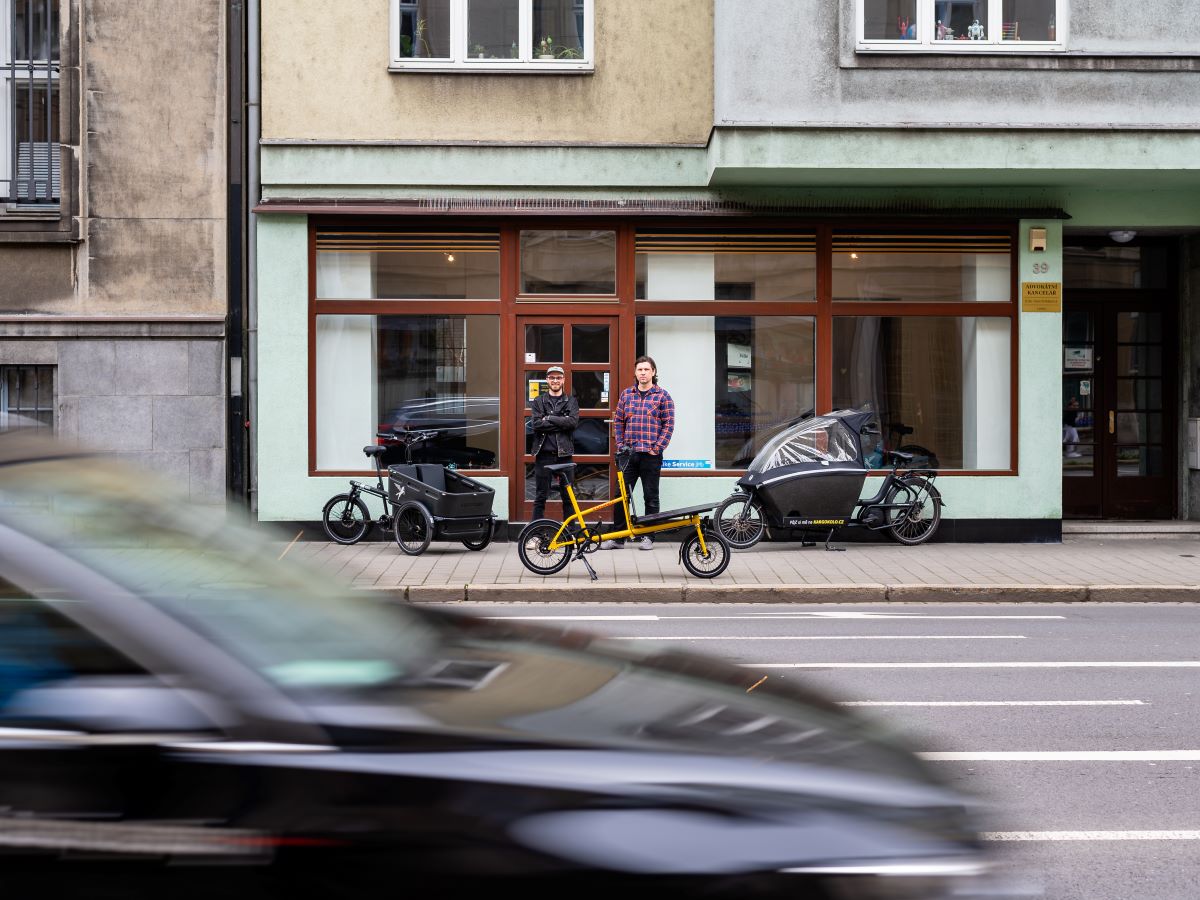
<point x="646" y="468"/>
<point x="542" y="480"/>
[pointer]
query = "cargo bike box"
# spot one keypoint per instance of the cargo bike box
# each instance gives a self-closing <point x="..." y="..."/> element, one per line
<point x="436" y="503"/>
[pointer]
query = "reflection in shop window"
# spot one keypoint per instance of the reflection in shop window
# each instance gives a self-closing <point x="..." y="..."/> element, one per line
<point x="362" y="264"/>
<point x="414" y="373"/>
<point x="922" y="268"/>
<point x="941" y="385"/>
<point x="568" y="262"/>
<point x="697" y="265"/>
<point x="736" y="380"/>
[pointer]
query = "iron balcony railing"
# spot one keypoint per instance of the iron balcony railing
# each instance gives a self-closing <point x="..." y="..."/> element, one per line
<point x="33" y="175"/>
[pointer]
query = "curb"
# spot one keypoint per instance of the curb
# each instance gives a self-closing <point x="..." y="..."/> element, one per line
<point x="689" y="592"/>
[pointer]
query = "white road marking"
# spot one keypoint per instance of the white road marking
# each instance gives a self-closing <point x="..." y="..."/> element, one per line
<point x="752" y="616"/>
<point x="1066" y="756"/>
<point x="821" y="637"/>
<point x="992" y="702"/>
<point x="1152" y="664"/>
<point x="1090" y="836"/>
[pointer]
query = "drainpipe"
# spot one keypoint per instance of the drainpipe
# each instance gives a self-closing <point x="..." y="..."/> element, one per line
<point x="253" y="195"/>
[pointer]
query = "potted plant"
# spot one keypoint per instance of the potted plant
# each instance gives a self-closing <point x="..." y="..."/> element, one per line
<point x="545" y="48"/>
<point x="478" y="51"/>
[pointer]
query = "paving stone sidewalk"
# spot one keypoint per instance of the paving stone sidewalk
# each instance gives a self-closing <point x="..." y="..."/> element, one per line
<point x="1079" y="569"/>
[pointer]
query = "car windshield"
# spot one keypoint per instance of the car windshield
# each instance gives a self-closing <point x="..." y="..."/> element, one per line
<point x="814" y="440"/>
<point x="222" y="577"/>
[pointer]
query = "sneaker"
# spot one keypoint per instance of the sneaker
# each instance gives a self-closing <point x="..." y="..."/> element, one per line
<point x="646" y="543"/>
<point x="612" y="545"/>
<point x="1074" y="455"/>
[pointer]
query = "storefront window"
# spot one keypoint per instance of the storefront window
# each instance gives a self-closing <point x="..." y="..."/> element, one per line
<point x="363" y="265"/>
<point x="435" y="373"/>
<point x="1115" y="268"/>
<point x="735" y="381"/>
<point x="568" y="262"/>
<point x="694" y="265"/>
<point x="922" y="268"/>
<point x="941" y="385"/>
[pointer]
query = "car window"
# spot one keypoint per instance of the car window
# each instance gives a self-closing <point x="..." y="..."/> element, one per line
<point x="221" y="578"/>
<point x="40" y="645"/>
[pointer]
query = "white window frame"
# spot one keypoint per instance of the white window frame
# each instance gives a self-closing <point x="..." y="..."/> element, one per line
<point x="460" y="60"/>
<point x="926" y="25"/>
<point x="6" y="105"/>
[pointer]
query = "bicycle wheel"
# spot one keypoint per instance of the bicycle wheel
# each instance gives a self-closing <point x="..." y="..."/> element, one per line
<point x="346" y="519"/>
<point x="740" y="521"/>
<point x="700" y="563"/>
<point x="533" y="546"/>
<point x="919" y="514"/>
<point x="480" y="543"/>
<point x="413" y="528"/>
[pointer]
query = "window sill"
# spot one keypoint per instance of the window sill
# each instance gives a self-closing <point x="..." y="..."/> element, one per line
<point x="485" y="67"/>
<point x="955" y="48"/>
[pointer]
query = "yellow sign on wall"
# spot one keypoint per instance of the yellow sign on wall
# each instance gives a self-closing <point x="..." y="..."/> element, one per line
<point x="1041" y="296"/>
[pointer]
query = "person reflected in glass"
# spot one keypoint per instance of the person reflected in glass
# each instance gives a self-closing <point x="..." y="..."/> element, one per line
<point x="1070" y="432"/>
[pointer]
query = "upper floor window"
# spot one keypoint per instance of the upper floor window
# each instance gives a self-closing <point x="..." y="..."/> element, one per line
<point x="962" y="26"/>
<point x="492" y="35"/>
<point x="30" y="174"/>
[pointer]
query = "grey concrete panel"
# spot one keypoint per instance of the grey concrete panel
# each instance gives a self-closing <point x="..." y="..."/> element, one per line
<point x="189" y="423"/>
<point x="156" y="145"/>
<point x="207" y="479"/>
<point x="28" y="353"/>
<point x="206" y="367"/>
<point x="37" y="278"/>
<point x="116" y="423"/>
<point x="173" y="467"/>
<point x="66" y="420"/>
<point x="812" y="52"/>
<point x="156" y="267"/>
<point x="151" y="367"/>
<point x="87" y="368"/>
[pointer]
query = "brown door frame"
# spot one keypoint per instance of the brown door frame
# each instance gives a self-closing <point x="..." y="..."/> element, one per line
<point x="519" y="507"/>
<point x="1105" y="495"/>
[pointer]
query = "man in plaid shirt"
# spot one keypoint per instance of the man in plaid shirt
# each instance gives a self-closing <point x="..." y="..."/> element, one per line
<point x="644" y="421"/>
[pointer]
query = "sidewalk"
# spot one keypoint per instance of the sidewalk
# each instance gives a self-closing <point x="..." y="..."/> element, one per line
<point x="1164" y="568"/>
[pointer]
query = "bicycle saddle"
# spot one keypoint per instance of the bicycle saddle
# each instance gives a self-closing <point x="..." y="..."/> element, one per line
<point x="565" y="468"/>
<point x="374" y="450"/>
<point x="900" y="455"/>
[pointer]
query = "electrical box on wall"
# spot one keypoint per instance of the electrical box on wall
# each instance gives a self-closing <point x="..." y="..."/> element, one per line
<point x="1193" y="448"/>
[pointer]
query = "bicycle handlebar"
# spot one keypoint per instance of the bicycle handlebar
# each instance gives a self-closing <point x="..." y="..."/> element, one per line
<point x="407" y="437"/>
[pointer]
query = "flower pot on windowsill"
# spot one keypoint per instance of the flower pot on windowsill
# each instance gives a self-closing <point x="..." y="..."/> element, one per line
<point x="546" y="56"/>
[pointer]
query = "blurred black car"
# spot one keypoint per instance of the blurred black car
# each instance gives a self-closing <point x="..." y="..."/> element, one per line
<point x="182" y="715"/>
<point x="460" y="424"/>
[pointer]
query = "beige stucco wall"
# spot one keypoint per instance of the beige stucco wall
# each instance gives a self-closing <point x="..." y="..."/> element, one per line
<point x="325" y="77"/>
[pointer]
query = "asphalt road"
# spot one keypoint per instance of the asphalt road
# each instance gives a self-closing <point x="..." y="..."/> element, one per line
<point x="1086" y="751"/>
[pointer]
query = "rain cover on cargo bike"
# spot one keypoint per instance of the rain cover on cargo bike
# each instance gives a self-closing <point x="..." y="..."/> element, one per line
<point x="812" y="472"/>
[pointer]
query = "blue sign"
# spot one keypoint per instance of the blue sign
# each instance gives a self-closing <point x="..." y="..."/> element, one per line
<point x="687" y="464"/>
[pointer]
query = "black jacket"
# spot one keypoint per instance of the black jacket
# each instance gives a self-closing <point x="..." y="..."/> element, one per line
<point x="554" y="419"/>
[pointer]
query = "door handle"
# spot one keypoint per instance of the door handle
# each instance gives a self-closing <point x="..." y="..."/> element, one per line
<point x="1112" y="422"/>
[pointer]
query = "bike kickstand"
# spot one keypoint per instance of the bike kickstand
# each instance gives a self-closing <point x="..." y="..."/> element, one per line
<point x="583" y="559"/>
<point x="828" y="538"/>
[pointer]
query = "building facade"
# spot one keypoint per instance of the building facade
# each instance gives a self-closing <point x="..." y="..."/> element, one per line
<point x="886" y="203"/>
<point x="113" y="182"/>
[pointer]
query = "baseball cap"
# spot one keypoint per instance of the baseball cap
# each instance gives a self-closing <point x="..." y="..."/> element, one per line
<point x="553" y="369"/>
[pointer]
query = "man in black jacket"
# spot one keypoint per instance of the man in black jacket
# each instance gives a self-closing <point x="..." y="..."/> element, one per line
<point x="555" y="416"/>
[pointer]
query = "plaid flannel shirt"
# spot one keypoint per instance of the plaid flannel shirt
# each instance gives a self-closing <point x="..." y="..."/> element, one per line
<point x="644" y="421"/>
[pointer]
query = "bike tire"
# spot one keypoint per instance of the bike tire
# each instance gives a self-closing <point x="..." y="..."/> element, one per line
<point x="534" y="551"/>
<point x="739" y="519"/>
<point x="482" y="542"/>
<point x="346" y="519"/>
<point x="413" y="528"/>
<point x="918" y="523"/>
<point x="701" y="564"/>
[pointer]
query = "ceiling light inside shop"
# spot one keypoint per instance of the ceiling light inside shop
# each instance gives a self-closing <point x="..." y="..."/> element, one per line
<point x="1122" y="236"/>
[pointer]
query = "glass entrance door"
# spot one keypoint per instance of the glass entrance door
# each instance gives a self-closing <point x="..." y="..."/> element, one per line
<point x="1118" y="431"/>
<point x="586" y="348"/>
